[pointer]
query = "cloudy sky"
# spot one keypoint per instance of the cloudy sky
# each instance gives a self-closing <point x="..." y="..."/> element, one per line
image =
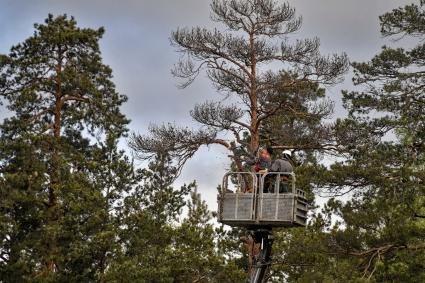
<point x="136" y="45"/>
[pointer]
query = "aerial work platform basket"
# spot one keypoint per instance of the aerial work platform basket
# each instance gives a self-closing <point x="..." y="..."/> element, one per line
<point x="251" y="200"/>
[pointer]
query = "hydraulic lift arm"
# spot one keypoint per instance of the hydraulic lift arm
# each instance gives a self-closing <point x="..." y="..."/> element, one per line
<point x="261" y="261"/>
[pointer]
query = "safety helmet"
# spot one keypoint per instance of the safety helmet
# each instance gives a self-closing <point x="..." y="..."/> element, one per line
<point x="286" y="153"/>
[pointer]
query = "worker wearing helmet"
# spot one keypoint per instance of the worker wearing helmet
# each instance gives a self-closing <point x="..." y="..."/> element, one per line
<point x="283" y="164"/>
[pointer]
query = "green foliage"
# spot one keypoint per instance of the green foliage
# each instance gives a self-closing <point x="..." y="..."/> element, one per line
<point x="375" y="233"/>
<point x="59" y="185"/>
<point x="73" y="207"/>
<point x="236" y="60"/>
<point x="158" y="248"/>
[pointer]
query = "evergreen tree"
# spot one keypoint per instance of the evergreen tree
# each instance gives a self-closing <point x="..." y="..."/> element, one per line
<point x="147" y="227"/>
<point x="158" y="246"/>
<point x="196" y="245"/>
<point x="378" y="234"/>
<point x="59" y="168"/>
<point x="267" y="103"/>
<point x="236" y="63"/>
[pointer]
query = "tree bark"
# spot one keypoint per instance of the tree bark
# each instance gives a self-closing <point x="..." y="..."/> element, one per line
<point x="253" y="96"/>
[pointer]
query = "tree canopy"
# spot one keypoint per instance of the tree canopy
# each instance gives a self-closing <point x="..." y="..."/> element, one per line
<point x="75" y="208"/>
<point x="375" y="231"/>
<point x="237" y="62"/>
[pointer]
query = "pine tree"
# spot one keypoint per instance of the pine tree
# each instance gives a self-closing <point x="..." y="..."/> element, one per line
<point x="59" y="167"/>
<point x="378" y="232"/>
<point x="236" y="63"/>
<point x="158" y="245"/>
<point x="197" y="246"/>
<point x="267" y="102"/>
<point x="148" y="217"/>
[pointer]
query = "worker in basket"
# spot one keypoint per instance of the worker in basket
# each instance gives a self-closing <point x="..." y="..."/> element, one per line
<point x="262" y="162"/>
<point x="283" y="164"/>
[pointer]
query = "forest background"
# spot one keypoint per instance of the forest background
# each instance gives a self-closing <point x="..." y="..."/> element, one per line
<point x="136" y="46"/>
<point x="74" y="208"/>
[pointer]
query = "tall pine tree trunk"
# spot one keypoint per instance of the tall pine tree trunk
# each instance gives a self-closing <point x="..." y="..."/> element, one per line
<point x="255" y="139"/>
<point x="55" y="173"/>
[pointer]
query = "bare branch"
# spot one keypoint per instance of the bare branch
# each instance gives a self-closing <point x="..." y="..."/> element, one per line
<point x="202" y="44"/>
<point x="311" y="146"/>
<point x="179" y="143"/>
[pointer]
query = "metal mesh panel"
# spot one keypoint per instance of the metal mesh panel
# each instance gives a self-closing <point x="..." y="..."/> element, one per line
<point x="268" y="207"/>
<point x="244" y="208"/>
<point x="285" y="210"/>
<point x="237" y="207"/>
<point x="276" y="207"/>
<point x="229" y="206"/>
